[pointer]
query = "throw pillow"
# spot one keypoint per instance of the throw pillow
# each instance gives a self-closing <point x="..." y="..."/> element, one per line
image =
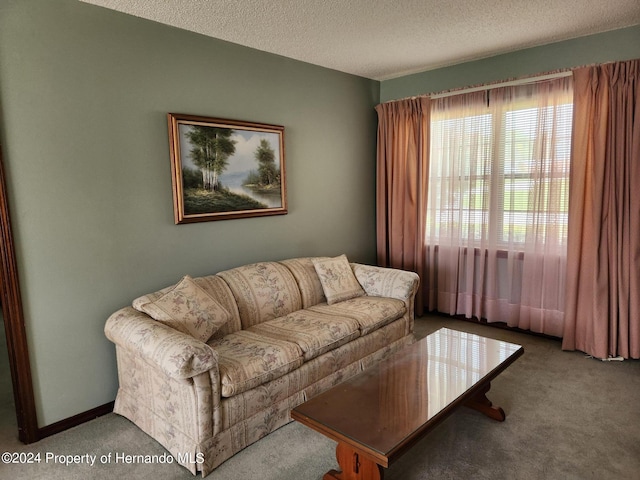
<point x="337" y="279"/>
<point x="189" y="309"/>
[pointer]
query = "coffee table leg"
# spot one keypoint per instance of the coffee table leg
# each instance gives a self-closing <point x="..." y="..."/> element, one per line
<point x="354" y="466"/>
<point x="481" y="403"/>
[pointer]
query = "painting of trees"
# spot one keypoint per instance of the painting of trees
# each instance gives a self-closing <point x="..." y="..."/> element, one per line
<point x="223" y="169"/>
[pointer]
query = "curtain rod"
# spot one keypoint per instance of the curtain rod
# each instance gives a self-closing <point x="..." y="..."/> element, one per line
<point x="518" y="81"/>
<point x="509" y="83"/>
<point x="489" y="86"/>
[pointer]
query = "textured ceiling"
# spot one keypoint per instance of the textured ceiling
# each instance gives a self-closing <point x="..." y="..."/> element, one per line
<point x="382" y="39"/>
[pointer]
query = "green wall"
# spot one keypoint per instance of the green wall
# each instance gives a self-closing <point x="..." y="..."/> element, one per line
<point x="84" y="94"/>
<point x="623" y="44"/>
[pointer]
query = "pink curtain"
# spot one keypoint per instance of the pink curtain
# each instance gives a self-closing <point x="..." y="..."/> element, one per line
<point x="602" y="311"/>
<point x="402" y="177"/>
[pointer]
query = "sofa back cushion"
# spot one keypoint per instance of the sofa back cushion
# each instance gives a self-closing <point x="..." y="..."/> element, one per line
<point x="263" y="291"/>
<point x="308" y="281"/>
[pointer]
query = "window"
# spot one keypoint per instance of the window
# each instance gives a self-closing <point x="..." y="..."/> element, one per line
<point x="499" y="167"/>
<point x="497" y="207"/>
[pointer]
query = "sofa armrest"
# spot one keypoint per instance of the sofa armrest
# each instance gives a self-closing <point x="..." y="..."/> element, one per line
<point x="178" y="355"/>
<point x="388" y="282"/>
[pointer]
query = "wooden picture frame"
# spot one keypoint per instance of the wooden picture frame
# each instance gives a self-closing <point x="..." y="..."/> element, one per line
<point x="223" y="169"/>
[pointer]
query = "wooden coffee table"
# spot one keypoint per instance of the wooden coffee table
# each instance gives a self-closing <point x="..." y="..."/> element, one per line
<point x="379" y="414"/>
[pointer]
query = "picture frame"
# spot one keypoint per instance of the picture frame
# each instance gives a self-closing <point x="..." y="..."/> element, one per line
<point x="225" y="169"/>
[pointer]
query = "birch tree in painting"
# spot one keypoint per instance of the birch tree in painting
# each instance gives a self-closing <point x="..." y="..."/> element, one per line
<point x="211" y="150"/>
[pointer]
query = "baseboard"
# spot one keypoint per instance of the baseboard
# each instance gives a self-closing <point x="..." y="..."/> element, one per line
<point x="74" y="421"/>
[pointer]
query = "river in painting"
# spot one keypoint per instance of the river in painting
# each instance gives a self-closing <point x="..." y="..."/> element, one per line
<point x="234" y="182"/>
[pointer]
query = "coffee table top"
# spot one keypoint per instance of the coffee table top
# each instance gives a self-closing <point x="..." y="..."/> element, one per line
<point x="385" y="408"/>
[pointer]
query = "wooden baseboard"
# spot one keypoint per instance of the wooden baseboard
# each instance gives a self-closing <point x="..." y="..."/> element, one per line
<point x="74" y="421"/>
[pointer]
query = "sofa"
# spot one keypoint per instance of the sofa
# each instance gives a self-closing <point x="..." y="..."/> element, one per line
<point x="212" y="364"/>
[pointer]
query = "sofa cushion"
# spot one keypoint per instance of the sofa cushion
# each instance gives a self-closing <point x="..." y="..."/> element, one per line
<point x="371" y="313"/>
<point x="263" y="291"/>
<point x="386" y="282"/>
<point x="337" y="279"/>
<point x="218" y="289"/>
<point x="214" y="286"/>
<point x="246" y="360"/>
<point x="189" y="309"/>
<point x="149" y="297"/>
<point x="308" y="281"/>
<point x="314" y="332"/>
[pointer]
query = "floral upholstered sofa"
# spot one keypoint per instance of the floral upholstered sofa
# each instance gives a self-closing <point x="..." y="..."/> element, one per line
<point x="212" y="364"/>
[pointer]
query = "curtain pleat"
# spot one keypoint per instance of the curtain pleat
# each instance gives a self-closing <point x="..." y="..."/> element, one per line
<point x="602" y="314"/>
<point x="402" y="174"/>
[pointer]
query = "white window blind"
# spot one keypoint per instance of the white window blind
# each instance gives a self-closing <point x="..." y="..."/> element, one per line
<point x="496" y="170"/>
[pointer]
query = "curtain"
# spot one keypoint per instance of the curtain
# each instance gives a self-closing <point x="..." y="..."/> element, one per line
<point x="603" y="267"/>
<point x="497" y="210"/>
<point x="402" y="173"/>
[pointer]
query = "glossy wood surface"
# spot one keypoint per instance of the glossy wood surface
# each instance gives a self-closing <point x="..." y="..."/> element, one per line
<point x="380" y="413"/>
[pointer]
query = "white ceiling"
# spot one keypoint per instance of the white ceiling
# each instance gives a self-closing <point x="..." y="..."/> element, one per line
<point x="383" y="39"/>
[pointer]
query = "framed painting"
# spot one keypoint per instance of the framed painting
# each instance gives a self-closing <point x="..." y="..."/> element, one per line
<point x="223" y="169"/>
